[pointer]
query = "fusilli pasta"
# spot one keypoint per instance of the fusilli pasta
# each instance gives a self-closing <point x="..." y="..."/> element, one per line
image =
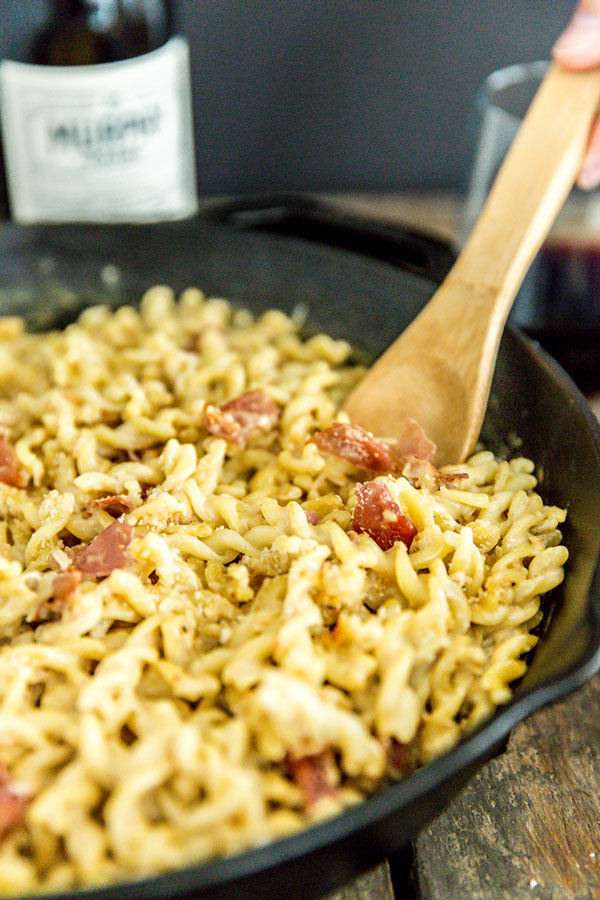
<point x="200" y="649"/>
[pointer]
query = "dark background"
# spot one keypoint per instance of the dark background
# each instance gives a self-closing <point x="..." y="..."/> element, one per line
<point x="337" y="94"/>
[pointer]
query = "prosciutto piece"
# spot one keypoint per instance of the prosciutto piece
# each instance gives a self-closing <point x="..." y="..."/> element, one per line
<point x="237" y="419"/>
<point x="414" y="442"/>
<point x="315" y="775"/>
<point x="425" y="475"/>
<point x="378" y="515"/>
<point x="356" y="446"/>
<point x="116" y="505"/>
<point x="108" y="551"/>
<point x="12" y="806"/>
<point x="312" y="517"/>
<point x="402" y="758"/>
<point x="65" y="584"/>
<point x="61" y="589"/>
<point x="9" y="472"/>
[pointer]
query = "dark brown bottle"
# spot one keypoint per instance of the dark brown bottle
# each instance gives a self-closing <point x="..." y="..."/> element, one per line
<point x="98" y="126"/>
<point x="88" y="32"/>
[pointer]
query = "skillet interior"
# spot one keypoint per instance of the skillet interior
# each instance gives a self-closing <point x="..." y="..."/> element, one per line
<point x="50" y="273"/>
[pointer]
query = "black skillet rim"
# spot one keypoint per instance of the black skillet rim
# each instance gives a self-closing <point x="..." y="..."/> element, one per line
<point x="392" y="798"/>
<point x="388" y="802"/>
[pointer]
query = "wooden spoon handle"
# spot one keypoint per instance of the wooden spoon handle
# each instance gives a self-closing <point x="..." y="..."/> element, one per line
<point x="439" y="370"/>
<point x="532" y="184"/>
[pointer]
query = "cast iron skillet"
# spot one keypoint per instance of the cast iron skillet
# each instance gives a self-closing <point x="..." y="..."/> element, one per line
<point x="49" y="273"/>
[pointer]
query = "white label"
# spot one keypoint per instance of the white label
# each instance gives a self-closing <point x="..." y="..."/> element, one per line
<point x="105" y="143"/>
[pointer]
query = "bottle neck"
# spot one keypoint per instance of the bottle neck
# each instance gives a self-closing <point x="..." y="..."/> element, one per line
<point x="95" y="12"/>
<point x="83" y="32"/>
<point x="75" y="9"/>
<point x="106" y="11"/>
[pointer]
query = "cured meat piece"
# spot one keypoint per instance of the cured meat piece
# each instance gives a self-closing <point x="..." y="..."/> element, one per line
<point x="378" y="515"/>
<point x="12" y="806"/>
<point x="62" y="588"/>
<point x="116" y="506"/>
<point x="237" y="419"/>
<point x="108" y="551"/>
<point x="222" y="424"/>
<point x="194" y="344"/>
<point x="425" y="475"/>
<point x="65" y="584"/>
<point x="315" y="775"/>
<point x="312" y="517"/>
<point x="146" y="490"/>
<point x="356" y="446"/>
<point x="414" y="442"/>
<point x="402" y="758"/>
<point x="9" y="472"/>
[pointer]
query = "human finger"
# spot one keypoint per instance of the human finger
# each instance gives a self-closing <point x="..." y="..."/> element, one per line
<point x="578" y="47"/>
<point x="589" y="174"/>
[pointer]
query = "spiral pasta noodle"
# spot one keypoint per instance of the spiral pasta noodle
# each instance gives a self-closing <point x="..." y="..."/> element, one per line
<point x="202" y="645"/>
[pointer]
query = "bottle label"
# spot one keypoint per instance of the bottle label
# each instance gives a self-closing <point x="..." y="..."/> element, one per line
<point x="104" y="143"/>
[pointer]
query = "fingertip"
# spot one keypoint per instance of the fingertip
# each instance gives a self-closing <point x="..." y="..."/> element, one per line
<point x="578" y="47"/>
<point x="588" y="180"/>
<point x="589" y="174"/>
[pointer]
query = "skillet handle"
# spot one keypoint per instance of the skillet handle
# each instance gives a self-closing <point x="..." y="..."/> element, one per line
<point x="305" y="217"/>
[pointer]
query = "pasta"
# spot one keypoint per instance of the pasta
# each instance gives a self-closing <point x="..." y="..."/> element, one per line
<point x="224" y="612"/>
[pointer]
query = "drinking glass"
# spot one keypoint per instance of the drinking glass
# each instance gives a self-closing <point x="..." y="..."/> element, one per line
<point x="559" y="301"/>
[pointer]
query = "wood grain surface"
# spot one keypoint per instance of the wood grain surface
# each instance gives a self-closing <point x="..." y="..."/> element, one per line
<point x="373" y="885"/>
<point x="528" y="825"/>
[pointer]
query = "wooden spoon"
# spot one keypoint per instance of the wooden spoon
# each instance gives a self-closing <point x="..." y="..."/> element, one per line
<point x="439" y="370"/>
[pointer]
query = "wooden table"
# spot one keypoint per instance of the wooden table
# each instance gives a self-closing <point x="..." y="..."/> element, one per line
<point x="527" y="827"/>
